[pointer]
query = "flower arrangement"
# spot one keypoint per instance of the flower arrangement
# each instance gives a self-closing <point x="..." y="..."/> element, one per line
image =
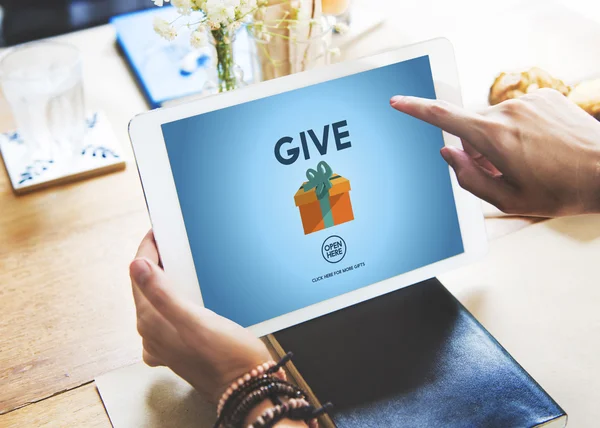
<point x="220" y="19"/>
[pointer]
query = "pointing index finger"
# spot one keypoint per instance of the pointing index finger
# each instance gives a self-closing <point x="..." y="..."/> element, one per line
<point x="449" y="117"/>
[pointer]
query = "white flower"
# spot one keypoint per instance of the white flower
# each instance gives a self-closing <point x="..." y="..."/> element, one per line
<point x="299" y="13"/>
<point x="199" y="38"/>
<point x="246" y="7"/>
<point x="234" y="26"/>
<point x="199" y="4"/>
<point x="184" y="7"/>
<point x="339" y="28"/>
<point x="159" y="3"/>
<point x="221" y="12"/>
<point x="335" y="52"/>
<point x="164" y="29"/>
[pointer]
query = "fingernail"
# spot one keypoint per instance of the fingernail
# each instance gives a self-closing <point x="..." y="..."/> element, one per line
<point x="447" y="155"/>
<point x="140" y="271"/>
<point x="396" y="99"/>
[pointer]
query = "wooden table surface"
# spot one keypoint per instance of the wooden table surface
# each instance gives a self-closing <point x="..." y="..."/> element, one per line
<point x="65" y="298"/>
<point x="67" y="314"/>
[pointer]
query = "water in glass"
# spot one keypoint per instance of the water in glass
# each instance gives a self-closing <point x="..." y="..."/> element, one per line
<point x="42" y="82"/>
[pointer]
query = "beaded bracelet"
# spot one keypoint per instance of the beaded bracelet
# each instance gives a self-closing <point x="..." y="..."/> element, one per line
<point x="268" y="380"/>
<point x="270" y="367"/>
<point x="242" y="391"/>
<point x="296" y="410"/>
<point x="250" y="394"/>
<point x="235" y="386"/>
<point x="245" y="405"/>
<point x="279" y="386"/>
<point x="273" y="415"/>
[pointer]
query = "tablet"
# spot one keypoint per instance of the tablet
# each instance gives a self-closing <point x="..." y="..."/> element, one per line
<point x="292" y="198"/>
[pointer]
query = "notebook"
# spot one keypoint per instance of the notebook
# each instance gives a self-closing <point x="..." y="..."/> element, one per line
<point x="168" y="71"/>
<point x="415" y="358"/>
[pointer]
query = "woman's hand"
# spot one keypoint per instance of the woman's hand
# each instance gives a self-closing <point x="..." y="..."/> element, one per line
<point x="536" y="155"/>
<point x="202" y="347"/>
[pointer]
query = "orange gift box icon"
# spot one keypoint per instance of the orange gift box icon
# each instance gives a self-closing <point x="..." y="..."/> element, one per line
<point x="323" y="200"/>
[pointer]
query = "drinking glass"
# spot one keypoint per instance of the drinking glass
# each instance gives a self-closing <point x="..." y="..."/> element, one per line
<point x="42" y="82"/>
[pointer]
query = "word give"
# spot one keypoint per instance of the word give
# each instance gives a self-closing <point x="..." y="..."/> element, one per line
<point x="292" y="154"/>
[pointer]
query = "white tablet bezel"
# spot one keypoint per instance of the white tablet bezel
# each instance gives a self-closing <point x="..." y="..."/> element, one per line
<point x="163" y="204"/>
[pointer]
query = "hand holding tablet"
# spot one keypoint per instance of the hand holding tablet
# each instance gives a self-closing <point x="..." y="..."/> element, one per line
<point x="175" y="332"/>
<point x="297" y="197"/>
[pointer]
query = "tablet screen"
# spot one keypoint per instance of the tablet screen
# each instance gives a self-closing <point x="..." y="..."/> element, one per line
<point x="309" y="194"/>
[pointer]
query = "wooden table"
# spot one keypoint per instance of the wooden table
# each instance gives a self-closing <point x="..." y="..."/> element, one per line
<point x="67" y="314"/>
<point x="65" y="299"/>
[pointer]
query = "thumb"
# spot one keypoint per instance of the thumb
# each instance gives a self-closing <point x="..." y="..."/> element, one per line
<point x="474" y="179"/>
<point x="152" y="282"/>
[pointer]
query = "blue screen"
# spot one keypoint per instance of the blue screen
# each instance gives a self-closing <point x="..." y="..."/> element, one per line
<point x="383" y="193"/>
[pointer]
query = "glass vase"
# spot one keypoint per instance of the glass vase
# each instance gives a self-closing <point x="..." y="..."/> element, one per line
<point x="280" y="50"/>
<point x="228" y="77"/>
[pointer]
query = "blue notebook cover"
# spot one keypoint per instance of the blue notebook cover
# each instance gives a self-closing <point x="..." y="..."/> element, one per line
<point x="415" y="358"/>
<point x="171" y="70"/>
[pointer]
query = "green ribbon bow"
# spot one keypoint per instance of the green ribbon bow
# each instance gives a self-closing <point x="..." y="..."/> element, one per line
<point x="319" y="179"/>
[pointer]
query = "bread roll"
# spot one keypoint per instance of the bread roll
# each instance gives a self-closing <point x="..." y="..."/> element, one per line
<point x="587" y="96"/>
<point x="514" y="85"/>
